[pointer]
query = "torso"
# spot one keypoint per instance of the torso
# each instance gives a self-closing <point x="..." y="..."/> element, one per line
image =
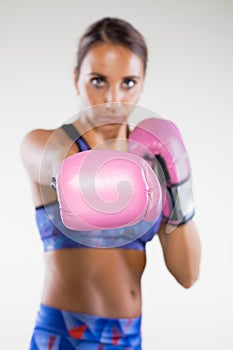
<point x="103" y="282"/>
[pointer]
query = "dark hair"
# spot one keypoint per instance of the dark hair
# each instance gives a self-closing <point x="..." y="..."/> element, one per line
<point x="115" y="31"/>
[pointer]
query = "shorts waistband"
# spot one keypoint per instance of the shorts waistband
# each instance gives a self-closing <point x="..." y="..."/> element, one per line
<point x="86" y="327"/>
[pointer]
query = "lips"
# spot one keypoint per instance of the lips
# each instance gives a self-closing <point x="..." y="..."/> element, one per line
<point x="113" y="119"/>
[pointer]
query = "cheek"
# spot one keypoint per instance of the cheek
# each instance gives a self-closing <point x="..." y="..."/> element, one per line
<point x="85" y="94"/>
<point x="90" y="96"/>
<point x="133" y="95"/>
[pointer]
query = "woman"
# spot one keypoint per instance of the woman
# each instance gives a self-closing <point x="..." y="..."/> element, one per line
<point x="92" y="296"/>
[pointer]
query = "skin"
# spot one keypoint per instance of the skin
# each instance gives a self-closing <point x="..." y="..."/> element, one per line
<point x="103" y="282"/>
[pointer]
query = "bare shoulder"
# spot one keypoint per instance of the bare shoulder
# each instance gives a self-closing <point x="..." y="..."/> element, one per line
<point x="38" y="137"/>
<point x="38" y="140"/>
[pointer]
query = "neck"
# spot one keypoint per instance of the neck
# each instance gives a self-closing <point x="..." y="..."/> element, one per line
<point x="108" y="136"/>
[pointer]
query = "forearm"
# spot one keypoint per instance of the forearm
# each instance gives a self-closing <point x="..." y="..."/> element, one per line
<point x="182" y="252"/>
<point x="160" y="142"/>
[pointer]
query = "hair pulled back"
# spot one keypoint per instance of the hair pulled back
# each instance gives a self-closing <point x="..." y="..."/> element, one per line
<point x="113" y="31"/>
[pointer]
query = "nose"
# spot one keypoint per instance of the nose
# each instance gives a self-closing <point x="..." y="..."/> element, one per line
<point x="114" y="94"/>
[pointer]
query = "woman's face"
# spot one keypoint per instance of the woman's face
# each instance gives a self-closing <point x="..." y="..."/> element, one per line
<point x="110" y="80"/>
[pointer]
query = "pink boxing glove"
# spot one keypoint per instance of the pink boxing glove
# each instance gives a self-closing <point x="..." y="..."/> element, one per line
<point x="103" y="189"/>
<point x="160" y="143"/>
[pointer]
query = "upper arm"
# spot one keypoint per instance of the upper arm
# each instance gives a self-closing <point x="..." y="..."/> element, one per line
<point x="32" y="147"/>
<point x="42" y="151"/>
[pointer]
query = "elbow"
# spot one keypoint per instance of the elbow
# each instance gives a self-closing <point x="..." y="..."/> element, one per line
<point x="189" y="275"/>
<point x="189" y="280"/>
<point x="188" y="284"/>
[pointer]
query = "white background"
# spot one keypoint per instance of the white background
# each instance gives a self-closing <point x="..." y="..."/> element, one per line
<point x="189" y="80"/>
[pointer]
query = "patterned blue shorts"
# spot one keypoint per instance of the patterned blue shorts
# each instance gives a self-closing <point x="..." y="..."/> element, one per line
<point x="57" y="329"/>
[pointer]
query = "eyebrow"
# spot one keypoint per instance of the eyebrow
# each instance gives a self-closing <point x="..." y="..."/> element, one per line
<point x="103" y="76"/>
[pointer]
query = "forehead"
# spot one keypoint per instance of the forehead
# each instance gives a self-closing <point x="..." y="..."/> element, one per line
<point x="109" y="58"/>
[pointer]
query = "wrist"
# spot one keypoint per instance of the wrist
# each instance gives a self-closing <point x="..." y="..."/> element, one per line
<point x="178" y="206"/>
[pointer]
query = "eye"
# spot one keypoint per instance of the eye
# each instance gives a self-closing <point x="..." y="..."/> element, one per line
<point x="129" y="83"/>
<point x="98" y="82"/>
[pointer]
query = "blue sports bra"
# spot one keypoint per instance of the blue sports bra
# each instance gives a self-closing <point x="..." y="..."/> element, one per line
<point x="56" y="236"/>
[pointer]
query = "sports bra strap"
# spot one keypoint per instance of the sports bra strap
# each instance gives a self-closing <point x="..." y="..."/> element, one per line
<point x="75" y="135"/>
<point x="71" y="131"/>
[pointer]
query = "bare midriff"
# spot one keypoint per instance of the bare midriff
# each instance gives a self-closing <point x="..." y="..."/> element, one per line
<point x="98" y="281"/>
